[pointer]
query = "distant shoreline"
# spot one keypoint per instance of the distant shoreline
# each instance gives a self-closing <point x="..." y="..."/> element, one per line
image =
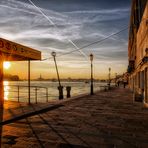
<point x="62" y="80"/>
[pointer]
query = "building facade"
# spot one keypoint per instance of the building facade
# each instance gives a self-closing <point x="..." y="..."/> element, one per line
<point x="138" y="50"/>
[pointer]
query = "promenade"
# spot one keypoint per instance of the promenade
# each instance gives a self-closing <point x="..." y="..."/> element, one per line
<point x="105" y="120"/>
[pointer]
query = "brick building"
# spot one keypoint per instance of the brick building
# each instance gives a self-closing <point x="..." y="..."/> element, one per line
<point x="138" y="50"/>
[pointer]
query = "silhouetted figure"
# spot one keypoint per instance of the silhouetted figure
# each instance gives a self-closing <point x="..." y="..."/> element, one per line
<point x="125" y="82"/>
<point x="118" y="83"/>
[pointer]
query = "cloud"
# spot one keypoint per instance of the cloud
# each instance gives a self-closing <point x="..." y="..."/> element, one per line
<point x="22" y="22"/>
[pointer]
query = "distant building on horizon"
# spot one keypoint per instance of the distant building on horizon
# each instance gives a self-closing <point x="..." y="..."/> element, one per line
<point x="9" y="77"/>
<point x="138" y="50"/>
<point x="40" y="78"/>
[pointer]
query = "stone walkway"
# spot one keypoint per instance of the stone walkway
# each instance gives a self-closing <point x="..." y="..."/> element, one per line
<point x="106" y="120"/>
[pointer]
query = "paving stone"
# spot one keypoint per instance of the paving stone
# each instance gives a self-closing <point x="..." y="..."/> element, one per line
<point x="107" y="120"/>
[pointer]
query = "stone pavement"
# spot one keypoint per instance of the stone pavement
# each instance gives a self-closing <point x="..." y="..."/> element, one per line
<point x="106" y="120"/>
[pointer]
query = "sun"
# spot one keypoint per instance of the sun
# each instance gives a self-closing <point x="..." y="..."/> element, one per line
<point x="6" y="65"/>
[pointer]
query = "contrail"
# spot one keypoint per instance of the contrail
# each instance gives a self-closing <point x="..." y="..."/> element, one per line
<point x="19" y="9"/>
<point x="42" y="13"/>
<point x="50" y="20"/>
<point x="78" y="48"/>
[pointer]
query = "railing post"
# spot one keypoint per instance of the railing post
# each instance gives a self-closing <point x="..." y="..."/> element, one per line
<point x="46" y="94"/>
<point x="36" y="89"/>
<point x="18" y="93"/>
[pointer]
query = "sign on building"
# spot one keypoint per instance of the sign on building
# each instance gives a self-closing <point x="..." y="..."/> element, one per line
<point x="15" y="52"/>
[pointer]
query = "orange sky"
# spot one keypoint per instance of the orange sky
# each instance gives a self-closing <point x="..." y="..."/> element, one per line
<point x="47" y="70"/>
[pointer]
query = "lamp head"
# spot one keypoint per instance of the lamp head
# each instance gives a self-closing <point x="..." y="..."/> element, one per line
<point x="91" y="57"/>
<point x="53" y="54"/>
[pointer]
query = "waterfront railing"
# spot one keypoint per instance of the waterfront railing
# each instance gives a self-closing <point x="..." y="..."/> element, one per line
<point x="20" y="93"/>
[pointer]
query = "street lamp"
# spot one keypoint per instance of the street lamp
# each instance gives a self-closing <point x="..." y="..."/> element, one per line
<point x="115" y="79"/>
<point x="91" y="87"/>
<point x="109" y="77"/>
<point x="60" y="88"/>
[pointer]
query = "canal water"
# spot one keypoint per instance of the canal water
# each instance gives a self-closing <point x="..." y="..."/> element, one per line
<point x="11" y="90"/>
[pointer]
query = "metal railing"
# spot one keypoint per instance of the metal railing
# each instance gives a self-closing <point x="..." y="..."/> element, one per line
<point x="38" y="94"/>
<point x="35" y="92"/>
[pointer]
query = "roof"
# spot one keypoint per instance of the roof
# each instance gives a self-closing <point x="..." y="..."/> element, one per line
<point x="11" y="51"/>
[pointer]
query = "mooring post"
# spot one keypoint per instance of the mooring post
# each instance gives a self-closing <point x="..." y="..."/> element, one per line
<point x="68" y="89"/>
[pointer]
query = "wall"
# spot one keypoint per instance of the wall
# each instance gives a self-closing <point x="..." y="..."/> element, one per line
<point x="142" y="37"/>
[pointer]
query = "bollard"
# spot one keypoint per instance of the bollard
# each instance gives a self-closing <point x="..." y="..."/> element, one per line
<point x="60" y="88"/>
<point x="68" y="89"/>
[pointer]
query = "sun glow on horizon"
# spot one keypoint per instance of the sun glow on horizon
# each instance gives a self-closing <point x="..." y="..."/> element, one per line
<point x="7" y="65"/>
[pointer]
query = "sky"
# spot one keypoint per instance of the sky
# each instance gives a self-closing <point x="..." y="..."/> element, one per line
<point x="66" y="25"/>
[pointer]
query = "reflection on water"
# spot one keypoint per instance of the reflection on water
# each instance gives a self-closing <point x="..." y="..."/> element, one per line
<point x="6" y="90"/>
<point x="11" y="90"/>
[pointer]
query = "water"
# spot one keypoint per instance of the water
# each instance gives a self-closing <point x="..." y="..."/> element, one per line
<point x="11" y="90"/>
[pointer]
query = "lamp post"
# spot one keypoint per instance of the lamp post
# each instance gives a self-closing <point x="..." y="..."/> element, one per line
<point x="29" y="82"/>
<point x="60" y="88"/>
<point x="109" y="77"/>
<point x="91" y="87"/>
<point x="115" y="79"/>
